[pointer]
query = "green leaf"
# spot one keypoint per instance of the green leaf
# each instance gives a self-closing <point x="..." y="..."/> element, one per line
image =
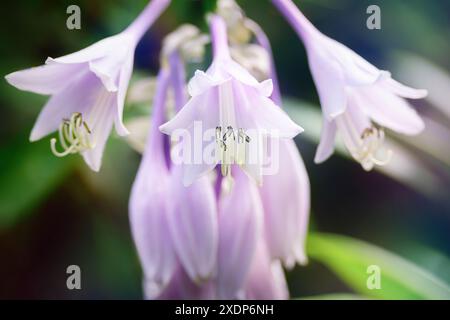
<point x="350" y="258"/>
<point x="29" y="172"/>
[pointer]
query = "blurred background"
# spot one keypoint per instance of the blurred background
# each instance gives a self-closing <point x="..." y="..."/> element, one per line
<point x="56" y="212"/>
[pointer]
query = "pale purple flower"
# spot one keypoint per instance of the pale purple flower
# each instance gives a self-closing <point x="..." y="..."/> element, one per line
<point x="149" y="203"/>
<point x="286" y="200"/>
<point x="87" y="90"/>
<point x="192" y="210"/>
<point x="230" y="101"/>
<point x="354" y="95"/>
<point x="224" y="238"/>
<point x="212" y="243"/>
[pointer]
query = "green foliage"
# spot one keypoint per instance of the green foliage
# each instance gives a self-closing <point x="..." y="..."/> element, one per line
<point x="349" y="259"/>
<point x="29" y="172"/>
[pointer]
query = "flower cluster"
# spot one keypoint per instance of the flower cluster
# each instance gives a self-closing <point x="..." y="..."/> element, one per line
<point x="219" y="235"/>
<point x="222" y="228"/>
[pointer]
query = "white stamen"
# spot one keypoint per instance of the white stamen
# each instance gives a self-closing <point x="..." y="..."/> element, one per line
<point x="363" y="147"/>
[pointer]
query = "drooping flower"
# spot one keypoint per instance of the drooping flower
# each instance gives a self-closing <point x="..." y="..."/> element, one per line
<point x="87" y="90"/>
<point x="217" y="237"/>
<point x="192" y="210"/>
<point x="355" y="95"/>
<point x="286" y="193"/>
<point x="286" y="200"/>
<point x="148" y="206"/>
<point x="230" y="102"/>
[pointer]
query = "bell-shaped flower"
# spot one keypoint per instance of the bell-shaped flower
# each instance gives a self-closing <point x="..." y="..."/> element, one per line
<point x="87" y="90"/>
<point x="286" y="200"/>
<point x="240" y="230"/>
<point x="357" y="99"/>
<point x="148" y="204"/>
<point x="232" y="105"/>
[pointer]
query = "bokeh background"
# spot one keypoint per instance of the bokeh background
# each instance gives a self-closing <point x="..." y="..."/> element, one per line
<point x="55" y="212"/>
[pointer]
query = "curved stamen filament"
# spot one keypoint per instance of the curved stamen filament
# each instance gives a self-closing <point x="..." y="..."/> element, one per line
<point x="73" y="136"/>
<point x="363" y="147"/>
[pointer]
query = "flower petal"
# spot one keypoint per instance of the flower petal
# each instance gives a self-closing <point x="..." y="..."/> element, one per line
<point x="108" y="68"/>
<point x="327" y="139"/>
<point x="254" y="111"/>
<point x="149" y="225"/>
<point x="47" y="79"/>
<point x="329" y="79"/>
<point x="201" y="108"/>
<point x="191" y="125"/>
<point x="285" y="196"/>
<point x="78" y="96"/>
<point x="356" y="70"/>
<point x="402" y="90"/>
<point x="192" y="215"/>
<point x="93" y="52"/>
<point x="201" y="82"/>
<point x="124" y="80"/>
<point x="388" y="110"/>
<point x="239" y="73"/>
<point x="240" y="217"/>
<point x="100" y="120"/>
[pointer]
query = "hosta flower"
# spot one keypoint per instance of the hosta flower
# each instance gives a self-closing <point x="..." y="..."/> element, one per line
<point x="148" y="203"/>
<point x="357" y="99"/>
<point x="285" y="194"/>
<point x="231" y="103"/>
<point x="209" y="235"/>
<point x="87" y="90"/>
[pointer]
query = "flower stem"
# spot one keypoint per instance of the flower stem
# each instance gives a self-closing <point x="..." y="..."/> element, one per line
<point x="156" y="139"/>
<point x="219" y="37"/>
<point x="296" y="18"/>
<point x="147" y="17"/>
<point x="178" y="79"/>
<point x="264" y="42"/>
